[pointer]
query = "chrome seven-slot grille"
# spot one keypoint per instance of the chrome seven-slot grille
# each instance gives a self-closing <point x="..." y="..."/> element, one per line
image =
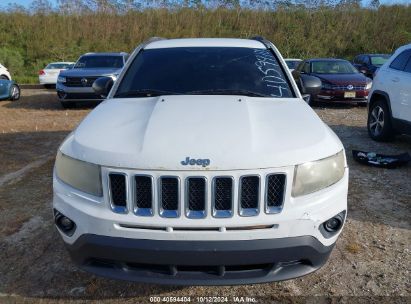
<point x="196" y="204"/>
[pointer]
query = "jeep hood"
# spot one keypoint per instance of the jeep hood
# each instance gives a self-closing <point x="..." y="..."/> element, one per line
<point x="234" y="132"/>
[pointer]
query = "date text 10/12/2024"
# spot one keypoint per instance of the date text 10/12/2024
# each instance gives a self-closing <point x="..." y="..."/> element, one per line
<point x="205" y="299"/>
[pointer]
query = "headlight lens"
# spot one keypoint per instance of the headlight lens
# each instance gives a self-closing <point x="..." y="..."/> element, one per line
<point x="368" y="86"/>
<point x="61" y="79"/>
<point x="78" y="174"/>
<point x="317" y="175"/>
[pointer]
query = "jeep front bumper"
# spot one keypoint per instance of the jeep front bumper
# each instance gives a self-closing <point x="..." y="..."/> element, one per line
<point x="199" y="262"/>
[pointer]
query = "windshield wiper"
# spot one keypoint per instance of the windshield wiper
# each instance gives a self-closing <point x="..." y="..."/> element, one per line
<point x="227" y="92"/>
<point x="145" y="93"/>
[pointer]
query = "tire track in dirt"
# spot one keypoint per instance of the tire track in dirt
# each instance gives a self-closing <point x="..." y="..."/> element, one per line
<point x="23" y="171"/>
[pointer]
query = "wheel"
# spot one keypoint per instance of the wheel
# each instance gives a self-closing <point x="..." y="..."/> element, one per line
<point x="4" y="77"/>
<point x="68" y="104"/>
<point x="379" y="123"/>
<point x="15" y="93"/>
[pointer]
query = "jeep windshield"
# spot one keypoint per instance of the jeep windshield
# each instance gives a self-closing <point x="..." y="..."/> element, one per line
<point x="98" y="62"/>
<point x="205" y="71"/>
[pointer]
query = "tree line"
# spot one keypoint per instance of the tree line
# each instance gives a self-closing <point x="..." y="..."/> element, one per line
<point x="121" y="6"/>
<point x="31" y="38"/>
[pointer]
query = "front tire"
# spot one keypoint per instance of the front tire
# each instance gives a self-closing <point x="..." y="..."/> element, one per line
<point x="15" y="92"/>
<point x="4" y="77"/>
<point x="379" y="123"/>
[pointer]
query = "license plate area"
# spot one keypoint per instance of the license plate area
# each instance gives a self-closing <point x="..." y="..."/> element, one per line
<point x="349" y="94"/>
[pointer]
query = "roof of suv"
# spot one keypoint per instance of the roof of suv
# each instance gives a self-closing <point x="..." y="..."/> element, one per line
<point x="325" y="59"/>
<point x="105" y="54"/>
<point x="205" y="42"/>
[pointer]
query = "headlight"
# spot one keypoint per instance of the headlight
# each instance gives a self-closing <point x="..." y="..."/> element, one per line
<point x="78" y="174"/>
<point x="61" y="79"/>
<point x="317" y="175"/>
<point x="368" y="86"/>
<point x="326" y="86"/>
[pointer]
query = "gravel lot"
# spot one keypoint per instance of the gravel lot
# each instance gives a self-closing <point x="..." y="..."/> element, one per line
<point x="370" y="264"/>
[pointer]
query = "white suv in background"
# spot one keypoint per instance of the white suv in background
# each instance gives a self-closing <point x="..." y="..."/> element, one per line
<point x="204" y="165"/>
<point x="389" y="106"/>
<point x="4" y="73"/>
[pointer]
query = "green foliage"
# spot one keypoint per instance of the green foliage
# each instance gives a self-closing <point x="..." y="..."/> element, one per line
<point x="12" y="59"/>
<point x="30" y="41"/>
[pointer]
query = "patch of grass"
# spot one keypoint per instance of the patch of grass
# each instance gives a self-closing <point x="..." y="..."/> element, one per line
<point x="353" y="248"/>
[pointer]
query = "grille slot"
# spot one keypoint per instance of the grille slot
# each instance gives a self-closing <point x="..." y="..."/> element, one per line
<point x="344" y="87"/>
<point x="196" y="197"/>
<point x="118" y="192"/>
<point x="169" y="196"/>
<point x="274" y="191"/>
<point x="249" y="195"/>
<point x="143" y="195"/>
<point x="223" y="197"/>
<point x="77" y="81"/>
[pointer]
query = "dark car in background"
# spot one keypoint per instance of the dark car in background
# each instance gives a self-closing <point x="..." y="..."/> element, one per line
<point x="75" y="85"/>
<point x="368" y="64"/>
<point x="341" y="81"/>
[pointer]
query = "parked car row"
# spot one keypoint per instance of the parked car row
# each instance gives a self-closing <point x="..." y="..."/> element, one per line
<point x="339" y="80"/>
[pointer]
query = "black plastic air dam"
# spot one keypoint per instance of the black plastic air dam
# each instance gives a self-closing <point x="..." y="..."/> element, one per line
<point x="199" y="262"/>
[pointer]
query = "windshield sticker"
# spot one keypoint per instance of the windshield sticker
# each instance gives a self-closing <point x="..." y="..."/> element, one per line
<point x="273" y="77"/>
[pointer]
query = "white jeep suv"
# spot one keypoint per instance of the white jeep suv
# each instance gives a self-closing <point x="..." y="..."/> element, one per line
<point x="203" y="166"/>
<point x="389" y="104"/>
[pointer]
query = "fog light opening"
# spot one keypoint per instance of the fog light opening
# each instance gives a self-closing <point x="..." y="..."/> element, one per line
<point x="65" y="224"/>
<point x="333" y="224"/>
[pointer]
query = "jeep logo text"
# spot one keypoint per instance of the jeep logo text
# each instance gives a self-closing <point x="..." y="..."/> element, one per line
<point x="193" y="162"/>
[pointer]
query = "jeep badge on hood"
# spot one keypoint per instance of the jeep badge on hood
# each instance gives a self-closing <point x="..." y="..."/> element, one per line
<point x="193" y="162"/>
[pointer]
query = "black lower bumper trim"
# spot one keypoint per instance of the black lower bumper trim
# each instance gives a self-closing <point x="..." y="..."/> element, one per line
<point x="199" y="262"/>
<point x="77" y="96"/>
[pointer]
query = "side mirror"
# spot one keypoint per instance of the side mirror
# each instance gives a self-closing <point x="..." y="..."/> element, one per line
<point x="102" y="86"/>
<point x="9" y="90"/>
<point x="311" y="85"/>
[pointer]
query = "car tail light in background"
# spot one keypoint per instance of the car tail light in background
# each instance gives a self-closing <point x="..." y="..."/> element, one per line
<point x="41" y="72"/>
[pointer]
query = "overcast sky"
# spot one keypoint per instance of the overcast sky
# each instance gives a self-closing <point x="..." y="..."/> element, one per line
<point x="27" y="2"/>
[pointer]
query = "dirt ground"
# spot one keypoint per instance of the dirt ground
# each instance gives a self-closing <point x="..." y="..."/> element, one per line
<point x="371" y="262"/>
